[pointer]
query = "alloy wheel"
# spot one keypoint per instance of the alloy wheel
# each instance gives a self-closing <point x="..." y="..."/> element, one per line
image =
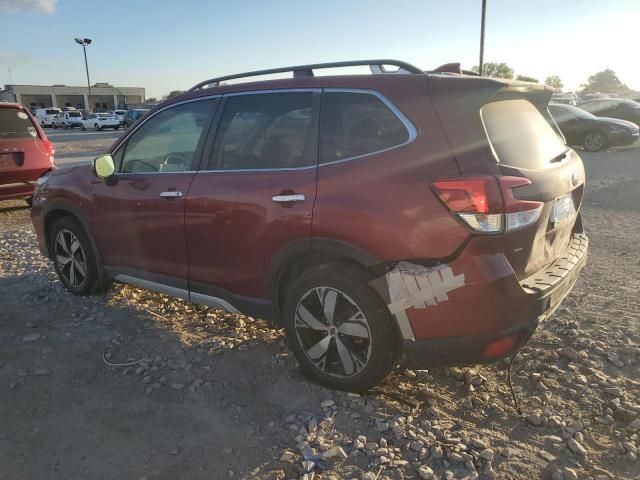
<point x="333" y="332"/>
<point x="71" y="258"/>
<point x="594" y="141"/>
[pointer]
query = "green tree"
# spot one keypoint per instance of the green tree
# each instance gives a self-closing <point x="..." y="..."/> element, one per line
<point x="496" y="70"/>
<point x="554" y="82"/>
<point x="605" y="81"/>
<point x="526" y="78"/>
<point x="151" y="100"/>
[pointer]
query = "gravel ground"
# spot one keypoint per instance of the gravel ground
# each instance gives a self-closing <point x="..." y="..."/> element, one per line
<point x="133" y="384"/>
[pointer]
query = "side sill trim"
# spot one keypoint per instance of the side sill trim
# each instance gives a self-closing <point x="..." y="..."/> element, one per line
<point x="214" y="302"/>
<point x="149" y="285"/>
<point x="198" y="298"/>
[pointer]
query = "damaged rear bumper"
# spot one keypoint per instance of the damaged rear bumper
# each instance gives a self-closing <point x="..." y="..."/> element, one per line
<point x="543" y="293"/>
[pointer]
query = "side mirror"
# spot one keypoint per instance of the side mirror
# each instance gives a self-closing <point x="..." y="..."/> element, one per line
<point x="104" y="166"/>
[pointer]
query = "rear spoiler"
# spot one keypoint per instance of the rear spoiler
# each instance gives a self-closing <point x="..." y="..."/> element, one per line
<point x="458" y="100"/>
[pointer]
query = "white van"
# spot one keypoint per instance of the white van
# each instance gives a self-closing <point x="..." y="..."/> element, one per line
<point x="46" y="115"/>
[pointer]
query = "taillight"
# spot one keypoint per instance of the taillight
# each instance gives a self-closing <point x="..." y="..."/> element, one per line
<point x="49" y="150"/>
<point x="486" y="204"/>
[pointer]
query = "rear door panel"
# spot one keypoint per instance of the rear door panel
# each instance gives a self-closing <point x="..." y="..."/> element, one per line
<point x="233" y="225"/>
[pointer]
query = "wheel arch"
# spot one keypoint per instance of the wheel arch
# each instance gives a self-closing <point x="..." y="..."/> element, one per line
<point x="301" y="255"/>
<point x="60" y="209"/>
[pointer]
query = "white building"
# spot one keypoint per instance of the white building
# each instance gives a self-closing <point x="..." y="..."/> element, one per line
<point x="103" y="96"/>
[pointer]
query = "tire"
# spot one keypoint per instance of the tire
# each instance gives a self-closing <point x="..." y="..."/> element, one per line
<point x="594" y="141"/>
<point x="55" y="127"/>
<point x="64" y="234"/>
<point x="29" y="201"/>
<point x="353" y="361"/>
<point x="117" y="127"/>
<point x="65" y="126"/>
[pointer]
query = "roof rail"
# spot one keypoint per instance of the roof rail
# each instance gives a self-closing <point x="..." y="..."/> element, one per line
<point x="376" y="66"/>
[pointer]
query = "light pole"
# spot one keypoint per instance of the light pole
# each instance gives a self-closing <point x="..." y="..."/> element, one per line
<point x="84" y="42"/>
<point x="484" y="12"/>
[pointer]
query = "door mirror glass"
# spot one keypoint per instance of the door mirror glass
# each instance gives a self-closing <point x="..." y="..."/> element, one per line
<point x="104" y="166"/>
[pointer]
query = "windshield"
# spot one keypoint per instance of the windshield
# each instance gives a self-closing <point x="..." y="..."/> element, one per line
<point x="16" y="123"/>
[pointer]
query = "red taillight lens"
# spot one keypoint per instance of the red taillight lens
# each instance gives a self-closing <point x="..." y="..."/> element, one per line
<point x="48" y="146"/>
<point x="49" y="150"/>
<point x="486" y="204"/>
<point x="471" y="194"/>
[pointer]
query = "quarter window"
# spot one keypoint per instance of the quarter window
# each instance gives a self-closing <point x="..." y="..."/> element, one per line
<point x="168" y="141"/>
<point x="355" y="124"/>
<point x="265" y="131"/>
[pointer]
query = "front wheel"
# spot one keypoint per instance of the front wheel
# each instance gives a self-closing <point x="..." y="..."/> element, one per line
<point x="96" y="127"/>
<point x="83" y="127"/>
<point x="595" y="141"/>
<point x="339" y="329"/>
<point x="75" y="261"/>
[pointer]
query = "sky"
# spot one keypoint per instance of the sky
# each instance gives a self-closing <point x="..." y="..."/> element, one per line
<point x="165" y="45"/>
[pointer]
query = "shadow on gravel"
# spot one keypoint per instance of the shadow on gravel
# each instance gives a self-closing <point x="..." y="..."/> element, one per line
<point x="102" y="388"/>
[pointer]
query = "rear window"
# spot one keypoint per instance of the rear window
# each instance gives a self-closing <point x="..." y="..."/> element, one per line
<point x="356" y="124"/>
<point x="520" y="135"/>
<point x="53" y="112"/>
<point x="75" y="114"/>
<point x="16" y="123"/>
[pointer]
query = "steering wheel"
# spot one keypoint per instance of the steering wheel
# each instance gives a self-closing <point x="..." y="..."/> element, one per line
<point x="181" y="160"/>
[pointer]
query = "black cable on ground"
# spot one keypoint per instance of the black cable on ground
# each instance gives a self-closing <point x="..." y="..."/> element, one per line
<point x="513" y="393"/>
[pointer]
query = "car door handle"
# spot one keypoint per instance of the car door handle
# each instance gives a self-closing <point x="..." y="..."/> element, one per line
<point x="294" y="197"/>
<point x="171" y="194"/>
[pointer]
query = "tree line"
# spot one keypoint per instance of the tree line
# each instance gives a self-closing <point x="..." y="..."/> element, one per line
<point x="605" y="81"/>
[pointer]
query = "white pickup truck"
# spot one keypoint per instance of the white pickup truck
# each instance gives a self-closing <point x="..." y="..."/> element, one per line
<point x="98" y="121"/>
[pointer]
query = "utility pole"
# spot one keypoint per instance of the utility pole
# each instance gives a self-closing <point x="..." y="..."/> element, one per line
<point x="484" y="13"/>
<point x="84" y="42"/>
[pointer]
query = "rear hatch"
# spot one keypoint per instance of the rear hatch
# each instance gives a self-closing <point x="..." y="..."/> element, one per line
<point x="24" y="155"/>
<point x="503" y="128"/>
<point x="526" y="145"/>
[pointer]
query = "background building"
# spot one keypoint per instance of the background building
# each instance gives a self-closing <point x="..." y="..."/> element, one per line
<point x="103" y="96"/>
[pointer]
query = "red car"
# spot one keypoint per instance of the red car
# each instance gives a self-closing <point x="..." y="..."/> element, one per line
<point x="25" y="152"/>
<point x="430" y="214"/>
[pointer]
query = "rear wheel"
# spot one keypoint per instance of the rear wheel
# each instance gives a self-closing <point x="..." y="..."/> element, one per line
<point x="74" y="259"/>
<point x="339" y="329"/>
<point x="594" y="141"/>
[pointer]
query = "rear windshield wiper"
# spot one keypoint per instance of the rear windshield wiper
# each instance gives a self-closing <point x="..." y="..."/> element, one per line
<point x="559" y="158"/>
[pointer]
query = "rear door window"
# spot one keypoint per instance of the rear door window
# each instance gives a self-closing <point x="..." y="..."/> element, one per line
<point x="264" y="131"/>
<point x="355" y="124"/>
<point x="520" y="135"/>
<point x="15" y="123"/>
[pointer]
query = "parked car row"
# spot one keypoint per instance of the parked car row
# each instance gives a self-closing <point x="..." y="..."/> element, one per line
<point x="72" y="118"/>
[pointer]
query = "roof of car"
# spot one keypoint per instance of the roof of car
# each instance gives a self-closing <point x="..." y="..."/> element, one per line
<point x="10" y="105"/>
<point x="303" y="77"/>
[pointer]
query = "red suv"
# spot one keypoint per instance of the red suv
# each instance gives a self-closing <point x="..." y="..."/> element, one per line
<point x="434" y="214"/>
<point x="25" y="152"/>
